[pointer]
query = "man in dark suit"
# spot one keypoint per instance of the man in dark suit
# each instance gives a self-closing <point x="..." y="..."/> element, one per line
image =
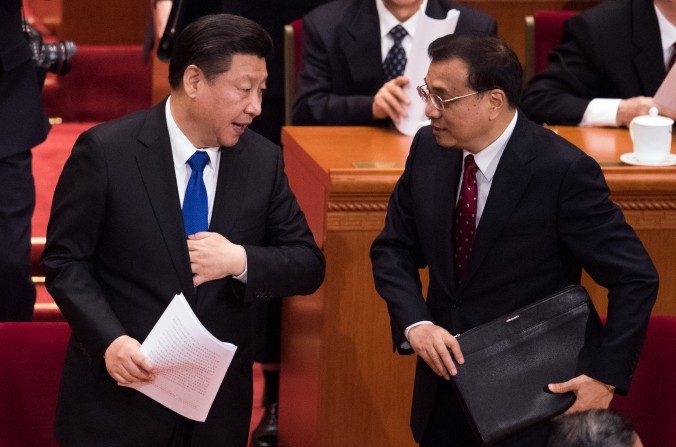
<point x="532" y="211"/>
<point x="345" y="78"/>
<point x="117" y="252"/>
<point x="611" y="61"/>
<point x="22" y="126"/>
<point x="272" y="16"/>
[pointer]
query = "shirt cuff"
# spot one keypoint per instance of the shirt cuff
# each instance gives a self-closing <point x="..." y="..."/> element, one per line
<point x="406" y="344"/>
<point x="242" y="277"/>
<point x="601" y="112"/>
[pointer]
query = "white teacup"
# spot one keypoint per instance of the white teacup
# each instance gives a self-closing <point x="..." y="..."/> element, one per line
<point x="651" y="135"/>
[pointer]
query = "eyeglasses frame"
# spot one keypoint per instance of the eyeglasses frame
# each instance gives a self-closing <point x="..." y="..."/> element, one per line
<point x="426" y="95"/>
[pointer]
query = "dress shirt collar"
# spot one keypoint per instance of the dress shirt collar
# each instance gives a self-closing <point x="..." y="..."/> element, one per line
<point x="181" y="148"/>
<point x="487" y="159"/>
<point x="667" y="33"/>
<point x="389" y="21"/>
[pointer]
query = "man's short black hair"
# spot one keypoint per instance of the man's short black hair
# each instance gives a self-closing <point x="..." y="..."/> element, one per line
<point x="491" y="62"/>
<point x="592" y="428"/>
<point x="212" y="40"/>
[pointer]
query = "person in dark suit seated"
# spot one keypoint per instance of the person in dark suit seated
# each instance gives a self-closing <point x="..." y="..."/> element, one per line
<point x="593" y="428"/>
<point x="502" y="212"/>
<point x="23" y="125"/>
<point x="178" y="198"/>
<point x="355" y="53"/>
<point x="611" y="61"/>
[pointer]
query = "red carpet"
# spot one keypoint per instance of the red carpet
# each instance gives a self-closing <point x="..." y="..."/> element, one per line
<point x="48" y="161"/>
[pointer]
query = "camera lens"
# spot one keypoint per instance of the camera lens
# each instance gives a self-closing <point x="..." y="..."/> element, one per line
<point x="55" y="56"/>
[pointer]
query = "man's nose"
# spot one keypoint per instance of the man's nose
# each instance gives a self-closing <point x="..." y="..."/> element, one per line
<point x="431" y="111"/>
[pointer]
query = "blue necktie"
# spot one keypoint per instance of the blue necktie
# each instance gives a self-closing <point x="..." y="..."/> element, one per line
<point x="195" y="202"/>
<point x="395" y="61"/>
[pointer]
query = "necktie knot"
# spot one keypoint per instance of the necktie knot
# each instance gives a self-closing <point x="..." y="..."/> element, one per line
<point x="398" y="33"/>
<point x="198" y="161"/>
<point x="470" y="164"/>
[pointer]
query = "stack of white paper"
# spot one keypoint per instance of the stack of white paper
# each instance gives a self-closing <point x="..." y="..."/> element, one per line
<point x="190" y="362"/>
<point x="426" y="31"/>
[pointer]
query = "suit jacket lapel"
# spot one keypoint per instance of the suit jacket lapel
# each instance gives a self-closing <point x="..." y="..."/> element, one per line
<point x="361" y="45"/>
<point x="156" y="166"/>
<point x="648" y="60"/>
<point x="230" y="187"/>
<point x="509" y="183"/>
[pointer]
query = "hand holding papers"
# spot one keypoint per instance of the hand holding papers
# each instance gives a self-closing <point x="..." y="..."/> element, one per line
<point x="426" y="31"/>
<point x="190" y="362"/>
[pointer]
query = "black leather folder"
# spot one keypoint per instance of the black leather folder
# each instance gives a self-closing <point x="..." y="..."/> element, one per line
<point x="509" y="362"/>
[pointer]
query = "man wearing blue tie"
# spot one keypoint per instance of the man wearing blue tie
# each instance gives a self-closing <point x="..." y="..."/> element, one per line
<point x="178" y="198"/>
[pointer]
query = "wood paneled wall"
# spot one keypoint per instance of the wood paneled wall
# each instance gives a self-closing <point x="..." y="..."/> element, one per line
<point x="90" y="22"/>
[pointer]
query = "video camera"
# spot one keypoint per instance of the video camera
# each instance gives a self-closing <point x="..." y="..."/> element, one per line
<point x="52" y="57"/>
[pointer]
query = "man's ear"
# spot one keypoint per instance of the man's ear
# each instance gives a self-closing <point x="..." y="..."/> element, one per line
<point x="497" y="101"/>
<point x="192" y="77"/>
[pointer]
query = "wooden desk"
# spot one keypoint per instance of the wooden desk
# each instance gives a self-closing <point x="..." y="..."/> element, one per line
<point x="341" y="385"/>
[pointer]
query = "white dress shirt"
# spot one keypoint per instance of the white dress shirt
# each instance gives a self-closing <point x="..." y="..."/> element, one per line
<point x="487" y="161"/>
<point x="603" y="111"/>
<point x="389" y="21"/>
<point x="181" y="150"/>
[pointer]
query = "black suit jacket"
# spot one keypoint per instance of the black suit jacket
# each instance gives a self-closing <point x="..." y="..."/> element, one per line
<point x="548" y="215"/>
<point x="22" y="123"/>
<point x="116" y="255"/>
<point x="342" y="62"/>
<point x="613" y="50"/>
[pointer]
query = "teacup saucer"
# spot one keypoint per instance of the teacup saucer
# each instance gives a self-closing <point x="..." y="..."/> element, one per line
<point x="631" y="159"/>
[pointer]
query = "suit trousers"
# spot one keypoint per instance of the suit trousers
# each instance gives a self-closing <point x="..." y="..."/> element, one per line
<point x="17" y="201"/>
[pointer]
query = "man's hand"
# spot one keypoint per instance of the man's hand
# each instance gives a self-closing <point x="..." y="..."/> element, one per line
<point x="391" y="100"/>
<point x="590" y="393"/>
<point x="214" y="257"/>
<point x="431" y="343"/>
<point x="125" y="362"/>
<point x="160" y="11"/>
<point x="633" y="107"/>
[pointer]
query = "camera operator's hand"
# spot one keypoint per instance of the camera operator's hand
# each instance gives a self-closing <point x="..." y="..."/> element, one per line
<point x="160" y="10"/>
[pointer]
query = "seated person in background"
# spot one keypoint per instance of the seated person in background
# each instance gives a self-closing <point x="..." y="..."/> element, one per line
<point x="611" y="62"/>
<point x="593" y="428"/>
<point x="355" y="55"/>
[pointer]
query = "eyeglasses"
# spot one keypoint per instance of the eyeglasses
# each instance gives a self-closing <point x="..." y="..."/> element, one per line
<point x="436" y="100"/>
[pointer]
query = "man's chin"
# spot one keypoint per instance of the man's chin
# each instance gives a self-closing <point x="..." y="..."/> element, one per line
<point x="444" y="141"/>
<point x="228" y="141"/>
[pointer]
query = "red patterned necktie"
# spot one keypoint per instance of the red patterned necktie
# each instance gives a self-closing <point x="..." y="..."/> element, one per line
<point x="465" y="218"/>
